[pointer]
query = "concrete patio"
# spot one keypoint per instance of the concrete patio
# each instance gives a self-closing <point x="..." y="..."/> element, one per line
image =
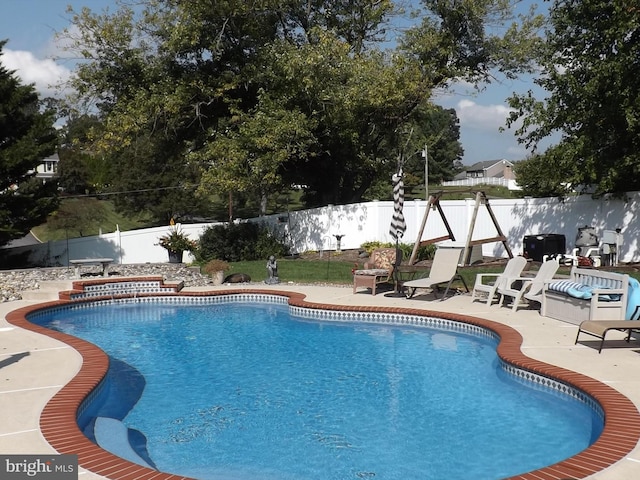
<point x="34" y="367"/>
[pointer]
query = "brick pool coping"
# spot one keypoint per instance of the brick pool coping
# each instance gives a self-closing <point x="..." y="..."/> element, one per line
<point x="58" y="421"/>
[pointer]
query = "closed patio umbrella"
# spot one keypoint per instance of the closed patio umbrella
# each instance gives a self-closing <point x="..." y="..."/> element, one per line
<point x="398" y="224"/>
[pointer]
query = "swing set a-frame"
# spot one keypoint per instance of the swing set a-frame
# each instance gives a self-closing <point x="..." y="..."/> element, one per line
<point x="434" y="204"/>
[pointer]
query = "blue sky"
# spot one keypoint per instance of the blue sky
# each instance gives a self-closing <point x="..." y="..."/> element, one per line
<point x="30" y="25"/>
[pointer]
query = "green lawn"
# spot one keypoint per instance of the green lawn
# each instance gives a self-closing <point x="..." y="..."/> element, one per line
<point x="46" y="232"/>
<point x="298" y="271"/>
<point x="339" y="272"/>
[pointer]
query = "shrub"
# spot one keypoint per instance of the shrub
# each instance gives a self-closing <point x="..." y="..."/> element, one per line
<point x="371" y="246"/>
<point x="239" y="242"/>
<point x="215" y="265"/>
<point x="269" y="243"/>
<point x="425" y="252"/>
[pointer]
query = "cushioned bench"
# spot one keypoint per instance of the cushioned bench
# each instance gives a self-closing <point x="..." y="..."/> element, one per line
<point x="587" y="295"/>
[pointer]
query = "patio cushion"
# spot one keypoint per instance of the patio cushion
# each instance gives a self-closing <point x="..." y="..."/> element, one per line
<point x="573" y="289"/>
<point x="579" y="290"/>
<point x="372" y="271"/>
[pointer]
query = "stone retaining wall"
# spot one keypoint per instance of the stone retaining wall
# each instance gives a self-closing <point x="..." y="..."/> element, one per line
<point x="13" y="282"/>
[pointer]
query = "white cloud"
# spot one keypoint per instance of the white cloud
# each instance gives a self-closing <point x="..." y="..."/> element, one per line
<point x="45" y="74"/>
<point x="482" y="117"/>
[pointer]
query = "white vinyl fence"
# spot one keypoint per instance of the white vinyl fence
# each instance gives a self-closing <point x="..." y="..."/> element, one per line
<point x="318" y="229"/>
<point x="357" y="223"/>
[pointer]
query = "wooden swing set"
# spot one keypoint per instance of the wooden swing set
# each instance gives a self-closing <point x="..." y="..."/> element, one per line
<point x="434" y="204"/>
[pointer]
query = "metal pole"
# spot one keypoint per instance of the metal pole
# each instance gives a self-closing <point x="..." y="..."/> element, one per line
<point x="426" y="172"/>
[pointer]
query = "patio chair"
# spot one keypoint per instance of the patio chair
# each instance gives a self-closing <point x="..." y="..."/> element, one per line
<point x="530" y="287"/>
<point x="444" y="269"/>
<point x="488" y="283"/>
<point x="378" y="269"/>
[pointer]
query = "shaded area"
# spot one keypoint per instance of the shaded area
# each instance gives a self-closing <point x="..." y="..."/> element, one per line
<point x="15" y="358"/>
<point x="123" y="388"/>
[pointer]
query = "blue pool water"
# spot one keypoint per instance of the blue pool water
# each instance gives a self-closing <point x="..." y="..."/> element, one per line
<point x="239" y="391"/>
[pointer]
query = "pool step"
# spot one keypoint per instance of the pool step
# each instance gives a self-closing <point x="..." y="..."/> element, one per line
<point x="117" y="287"/>
<point x="112" y="435"/>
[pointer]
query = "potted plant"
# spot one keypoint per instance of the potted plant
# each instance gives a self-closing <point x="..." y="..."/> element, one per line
<point x="216" y="269"/>
<point x="176" y="242"/>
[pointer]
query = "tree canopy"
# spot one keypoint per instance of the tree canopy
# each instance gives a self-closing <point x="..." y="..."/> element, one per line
<point x="27" y="137"/>
<point x="590" y="64"/>
<point x="254" y="97"/>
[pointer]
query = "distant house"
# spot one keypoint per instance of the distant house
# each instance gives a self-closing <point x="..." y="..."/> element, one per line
<point x="48" y="168"/>
<point x="490" y="172"/>
<point x="44" y="171"/>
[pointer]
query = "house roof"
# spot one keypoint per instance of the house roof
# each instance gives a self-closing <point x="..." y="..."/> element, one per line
<point x="486" y="164"/>
<point x="52" y="158"/>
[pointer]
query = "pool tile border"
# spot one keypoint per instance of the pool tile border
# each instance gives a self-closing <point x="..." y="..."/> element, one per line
<point x="58" y="424"/>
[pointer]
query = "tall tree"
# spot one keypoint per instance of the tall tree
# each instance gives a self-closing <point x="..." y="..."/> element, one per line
<point x="346" y="108"/>
<point x="151" y="176"/>
<point x="204" y="76"/>
<point x="438" y="130"/>
<point x="27" y="136"/>
<point x="78" y="218"/>
<point x="590" y="65"/>
<point x="82" y="170"/>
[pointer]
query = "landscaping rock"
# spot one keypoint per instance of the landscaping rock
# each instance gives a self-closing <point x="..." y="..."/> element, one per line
<point x="13" y="282"/>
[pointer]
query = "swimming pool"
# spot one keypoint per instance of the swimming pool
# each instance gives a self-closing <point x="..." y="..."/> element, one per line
<point x="316" y="421"/>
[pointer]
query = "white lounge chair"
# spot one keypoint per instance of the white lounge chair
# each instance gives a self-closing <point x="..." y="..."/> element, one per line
<point x="488" y="283"/>
<point x="444" y="269"/>
<point x="530" y="287"/>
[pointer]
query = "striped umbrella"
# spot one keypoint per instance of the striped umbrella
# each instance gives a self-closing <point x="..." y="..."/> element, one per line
<point x="398" y="224"/>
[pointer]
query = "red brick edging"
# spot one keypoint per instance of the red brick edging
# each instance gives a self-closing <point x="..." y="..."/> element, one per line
<point x="58" y="423"/>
